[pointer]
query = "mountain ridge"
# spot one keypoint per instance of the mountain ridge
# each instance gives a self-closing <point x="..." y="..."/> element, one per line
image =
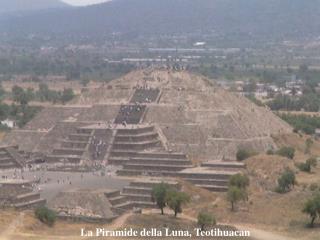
<point x="282" y="18"/>
<point x="13" y="6"/>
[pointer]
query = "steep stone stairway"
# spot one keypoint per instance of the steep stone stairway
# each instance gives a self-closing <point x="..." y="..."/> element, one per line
<point x="145" y="96"/>
<point x="130" y="114"/>
<point x="10" y="158"/>
<point x="129" y="142"/>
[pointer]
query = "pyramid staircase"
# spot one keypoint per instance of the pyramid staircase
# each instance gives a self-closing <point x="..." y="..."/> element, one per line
<point x="128" y="142"/>
<point x="10" y="158"/>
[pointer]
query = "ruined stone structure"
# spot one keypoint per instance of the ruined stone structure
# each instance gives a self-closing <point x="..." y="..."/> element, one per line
<point x="104" y="205"/>
<point x="19" y="194"/>
<point x="154" y="123"/>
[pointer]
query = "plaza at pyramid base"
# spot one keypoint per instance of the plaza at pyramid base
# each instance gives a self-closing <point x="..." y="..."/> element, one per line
<point x="153" y="125"/>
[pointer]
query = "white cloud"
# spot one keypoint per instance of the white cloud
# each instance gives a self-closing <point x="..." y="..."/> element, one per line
<point x="84" y="2"/>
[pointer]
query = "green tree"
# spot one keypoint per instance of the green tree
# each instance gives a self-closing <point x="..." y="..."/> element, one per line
<point x="159" y="194"/>
<point x="243" y="154"/>
<point x="312" y="208"/>
<point x="307" y="166"/>
<point x="176" y="199"/>
<point x="67" y="95"/>
<point x="234" y="195"/>
<point x="286" y="181"/>
<point x="205" y="219"/>
<point x="46" y="215"/>
<point x="239" y="180"/>
<point x="287" y="152"/>
<point x="20" y="96"/>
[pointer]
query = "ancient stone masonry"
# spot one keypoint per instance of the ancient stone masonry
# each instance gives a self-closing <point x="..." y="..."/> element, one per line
<point x="151" y="123"/>
<point x="19" y="194"/>
<point x="11" y="158"/>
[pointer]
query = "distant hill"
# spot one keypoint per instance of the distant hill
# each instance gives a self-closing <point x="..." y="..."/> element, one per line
<point x="280" y="19"/>
<point x="12" y="6"/>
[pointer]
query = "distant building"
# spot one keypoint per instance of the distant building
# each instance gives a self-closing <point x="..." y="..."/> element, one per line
<point x="8" y="123"/>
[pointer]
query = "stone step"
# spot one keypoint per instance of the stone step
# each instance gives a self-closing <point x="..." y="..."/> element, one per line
<point x="155" y="167"/>
<point x="31" y="204"/>
<point x="6" y="159"/>
<point x="61" y="158"/>
<point x="210" y="181"/>
<point x="149" y="184"/>
<point x="118" y="200"/>
<point x="224" y="165"/>
<point x="160" y="173"/>
<point x="136" y="138"/>
<point x="79" y="137"/>
<point x="3" y="153"/>
<point x="112" y="194"/>
<point x="8" y="165"/>
<point x="123" y="206"/>
<point x="68" y="151"/>
<point x="137" y="190"/>
<point x="213" y="188"/>
<point x="122" y="153"/>
<point x="27" y="197"/>
<point x="160" y="161"/>
<point x="137" y="197"/>
<point x="220" y="175"/>
<point x="158" y="155"/>
<point x="84" y="131"/>
<point x="74" y="145"/>
<point x="142" y="204"/>
<point x="118" y="160"/>
<point x="135" y="131"/>
<point x="136" y="145"/>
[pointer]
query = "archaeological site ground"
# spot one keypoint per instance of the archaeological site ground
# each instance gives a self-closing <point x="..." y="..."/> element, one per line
<point x="95" y="160"/>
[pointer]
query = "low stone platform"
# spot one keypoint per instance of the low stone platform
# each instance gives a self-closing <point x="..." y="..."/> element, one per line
<point x="19" y="194"/>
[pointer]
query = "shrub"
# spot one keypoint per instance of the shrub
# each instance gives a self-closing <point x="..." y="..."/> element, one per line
<point x="286" y="181"/>
<point x="176" y="199"/>
<point x="312" y="208"/>
<point x="287" y="152"/>
<point x="236" y="194"/>
<point x="306" y="167"/>
<point x="270" y="152"/>
<point x="239" y="180"/>
<point x="243" y="154"/>
<point x="45" y="215"/>
<point x="205" y="219"/>
<point x="159" y="194"/>
<point x="313" y="187"/>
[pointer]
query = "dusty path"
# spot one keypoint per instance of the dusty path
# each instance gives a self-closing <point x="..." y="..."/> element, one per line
<point x="5" y="235"/>
<point x="256" y="233"/>
<point x="259" y="234"/>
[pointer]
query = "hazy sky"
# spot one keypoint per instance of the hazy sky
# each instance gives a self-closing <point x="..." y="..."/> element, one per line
<point x="83" y="2"/>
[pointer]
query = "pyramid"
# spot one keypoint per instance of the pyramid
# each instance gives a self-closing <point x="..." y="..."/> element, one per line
<point x="188" y="112"/>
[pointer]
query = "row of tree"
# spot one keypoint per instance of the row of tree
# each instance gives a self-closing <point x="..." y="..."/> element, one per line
<point x="44" y="94"/>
